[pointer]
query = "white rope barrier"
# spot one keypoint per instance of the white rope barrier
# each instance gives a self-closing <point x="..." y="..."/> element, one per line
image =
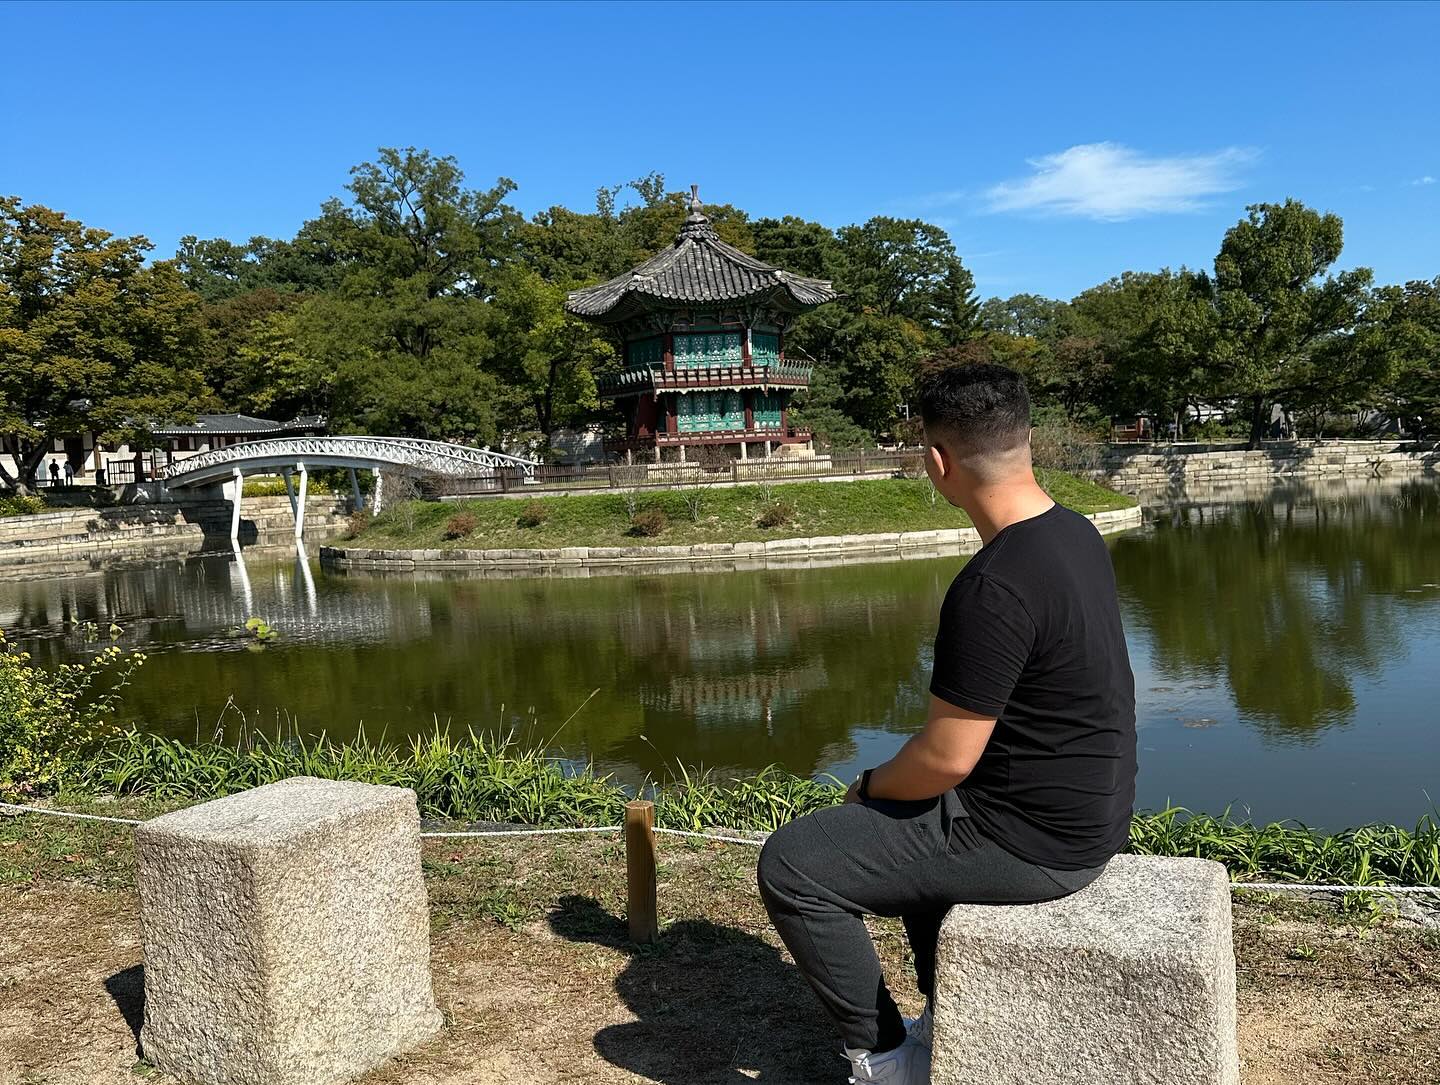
<point x="64" y="814"/>
<point x="520" y="832"/>
<point x="754" y="842"/>
<point x="1271" y="887"/>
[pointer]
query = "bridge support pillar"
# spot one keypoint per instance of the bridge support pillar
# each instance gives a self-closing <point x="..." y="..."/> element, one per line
<point x="238" y="482"/>
<point x="377" y="498"/>
<point x="300" y="506"/>
<point x="355" y="491"/>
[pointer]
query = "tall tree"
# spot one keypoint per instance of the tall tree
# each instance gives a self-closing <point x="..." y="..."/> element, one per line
<point x="792" y="243"/>
<point x="406" y="333"/>
<point x="1273" y="309"/>
<point x="90" y="338"/>
<point x="545" y="360"/>
<point x="909" y="268"/>
<point x="1025" y="314"/>
<point x="1407" y="329"/>
<point x="1157" y="332"/>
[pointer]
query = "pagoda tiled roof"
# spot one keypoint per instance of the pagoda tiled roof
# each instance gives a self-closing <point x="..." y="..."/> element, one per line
<point x="697" y="269"/>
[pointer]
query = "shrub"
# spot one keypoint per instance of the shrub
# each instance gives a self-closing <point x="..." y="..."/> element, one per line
<point x="649" y="522"/>
<point x="356" y="523"/>
<point x="274" y="486"/>
<point x="776" y="514"/>
<point x="1062" y="445"/>
<point x="533" y="514"/>
<point x="460" y="525"/>
<point x="21" y="506"/>
<point x="52" y="721"/>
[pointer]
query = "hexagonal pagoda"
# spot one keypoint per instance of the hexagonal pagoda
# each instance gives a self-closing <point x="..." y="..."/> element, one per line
<point x="703" y="329"/>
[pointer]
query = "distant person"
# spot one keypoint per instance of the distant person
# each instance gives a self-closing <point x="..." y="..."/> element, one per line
<point x="69" y="473"/>
<point x="1020" y="786"/>
<point x="54" y="474"/>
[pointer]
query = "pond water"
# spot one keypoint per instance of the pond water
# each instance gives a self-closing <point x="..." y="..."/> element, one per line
<point x="1286" y="650"/>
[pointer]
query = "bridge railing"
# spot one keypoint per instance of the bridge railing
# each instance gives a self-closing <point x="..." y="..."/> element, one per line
<point x="401" y="453"/>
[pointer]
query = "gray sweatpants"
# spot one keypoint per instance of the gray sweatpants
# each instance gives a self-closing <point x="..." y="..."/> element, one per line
<point x="821" y="873"/>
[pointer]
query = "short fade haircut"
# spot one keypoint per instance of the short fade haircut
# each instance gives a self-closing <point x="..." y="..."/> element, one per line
<point x="978" y="408"/>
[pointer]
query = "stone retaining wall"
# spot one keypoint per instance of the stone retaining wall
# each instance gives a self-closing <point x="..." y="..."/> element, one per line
<point x="1158" y="468"/>
<point x="740" y="555"/>
<point x="87" y="530"/>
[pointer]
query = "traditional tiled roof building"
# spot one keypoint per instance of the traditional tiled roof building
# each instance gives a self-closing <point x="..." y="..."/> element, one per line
<point x="703" y="329"/>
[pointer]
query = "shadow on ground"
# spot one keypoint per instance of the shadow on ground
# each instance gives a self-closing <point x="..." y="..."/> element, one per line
<point x="127" y="988"/>
<point x="716" y="1005"/>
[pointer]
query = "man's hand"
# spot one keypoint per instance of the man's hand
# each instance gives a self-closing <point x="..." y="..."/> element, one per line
<point x="935" y="760"/>
<point x="853" y="794"/>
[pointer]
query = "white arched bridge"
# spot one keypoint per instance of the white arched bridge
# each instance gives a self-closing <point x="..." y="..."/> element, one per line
<point x="299" y="455"/>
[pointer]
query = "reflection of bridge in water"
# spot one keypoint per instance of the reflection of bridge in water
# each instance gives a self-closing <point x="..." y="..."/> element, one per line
<point x="204" y="601"/>
<point x="298" y="455"/>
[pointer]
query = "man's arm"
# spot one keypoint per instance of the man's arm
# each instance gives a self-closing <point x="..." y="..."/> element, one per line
<point x="936" y="759"/>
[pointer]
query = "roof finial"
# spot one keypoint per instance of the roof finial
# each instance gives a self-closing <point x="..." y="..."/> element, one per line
<point x="696" y="215"/>
<point x="696" y="224"/>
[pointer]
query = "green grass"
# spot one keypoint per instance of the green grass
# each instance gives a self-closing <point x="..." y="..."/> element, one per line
<point x="474" y="778"/>
<point x="725" y="514"/>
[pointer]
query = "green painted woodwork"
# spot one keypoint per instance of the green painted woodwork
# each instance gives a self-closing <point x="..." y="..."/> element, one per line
<point x="764" y="349"/>
<point x="702" y="349"/>
<point x="706" y="412"/>
<point x="647" y="353"/>
<point x="766" y="408"/>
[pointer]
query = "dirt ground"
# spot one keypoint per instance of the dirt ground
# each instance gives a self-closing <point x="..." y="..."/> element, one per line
<point x="538" y="985"/>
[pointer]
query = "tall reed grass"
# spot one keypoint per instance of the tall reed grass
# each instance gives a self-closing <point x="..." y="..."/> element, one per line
<point x="479" y="778"/>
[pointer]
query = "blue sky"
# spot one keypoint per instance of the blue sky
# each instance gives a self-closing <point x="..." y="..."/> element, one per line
<point x="1059" y="144"/>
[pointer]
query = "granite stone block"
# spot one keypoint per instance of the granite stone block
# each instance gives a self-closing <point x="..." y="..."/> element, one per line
<point x="286" y="934"/>
<point x="1130" y="981"/>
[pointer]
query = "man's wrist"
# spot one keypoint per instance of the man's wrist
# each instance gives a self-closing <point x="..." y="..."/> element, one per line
<point x="864" y="789"/>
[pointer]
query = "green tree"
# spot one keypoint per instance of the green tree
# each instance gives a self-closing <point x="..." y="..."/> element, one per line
<point x="405" y="333"/>
<point x="1273" y="309"/>
<point x="90" y="338"/>
<point x="908" y="268"/>
<point x="1407" y="329"/>
<point x="872" y="360"/>
<point x="792" y="243"/>
<point x="544" y="359"/>
<point x="1157" y="332"/>
<point x="1025" y="315"/>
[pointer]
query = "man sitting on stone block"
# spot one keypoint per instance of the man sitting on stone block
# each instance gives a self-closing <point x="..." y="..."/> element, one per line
<point x="1020" y="786"/>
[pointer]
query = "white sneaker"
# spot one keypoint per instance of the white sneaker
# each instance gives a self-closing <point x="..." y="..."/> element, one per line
<point x="922" y="1029"/>
<point x="908" y="1064"/>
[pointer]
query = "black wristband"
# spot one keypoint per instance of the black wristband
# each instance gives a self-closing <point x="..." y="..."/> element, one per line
<point x="864" y="791"/>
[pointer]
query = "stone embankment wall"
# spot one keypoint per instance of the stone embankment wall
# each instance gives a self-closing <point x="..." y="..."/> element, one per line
<point x="71" y="532"/>
<point x="597" y="560"/>
<point x="1153" y="469"/>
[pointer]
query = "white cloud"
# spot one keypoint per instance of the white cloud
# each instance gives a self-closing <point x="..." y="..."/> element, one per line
<point x="1110" y="182"/>
<point x="1426" y="180"/>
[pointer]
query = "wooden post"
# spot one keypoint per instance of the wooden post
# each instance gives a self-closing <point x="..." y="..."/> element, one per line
<point x="640" y="871"/>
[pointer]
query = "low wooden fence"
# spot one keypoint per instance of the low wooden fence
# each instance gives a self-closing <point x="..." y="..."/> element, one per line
<point x="901" y="463"/>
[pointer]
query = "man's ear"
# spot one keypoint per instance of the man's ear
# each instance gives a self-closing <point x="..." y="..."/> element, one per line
<point x="940" y="458"/>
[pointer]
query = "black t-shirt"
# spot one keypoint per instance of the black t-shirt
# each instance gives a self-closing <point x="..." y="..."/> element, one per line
<point x="1030" y="633"/>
